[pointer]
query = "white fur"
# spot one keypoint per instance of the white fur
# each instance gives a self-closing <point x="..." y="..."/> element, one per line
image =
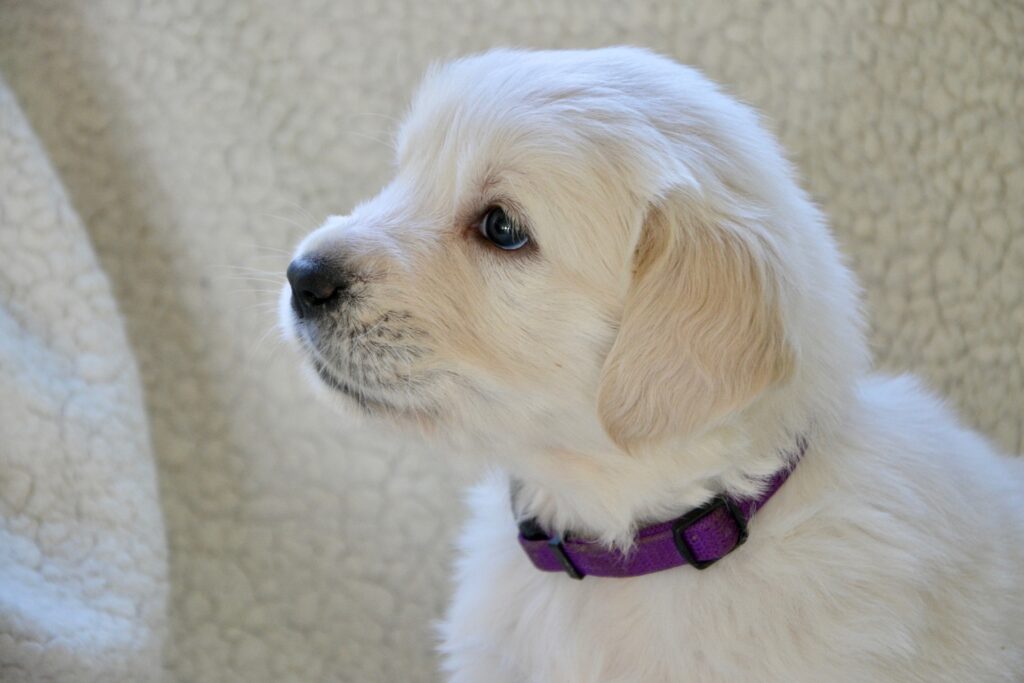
<point x="618" y="396"/>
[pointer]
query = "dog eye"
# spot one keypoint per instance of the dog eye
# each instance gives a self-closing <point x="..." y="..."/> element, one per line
<point x="497" y="227"/>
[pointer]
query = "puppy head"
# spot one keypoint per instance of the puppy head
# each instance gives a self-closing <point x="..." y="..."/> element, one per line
<point x="577" y="248"/>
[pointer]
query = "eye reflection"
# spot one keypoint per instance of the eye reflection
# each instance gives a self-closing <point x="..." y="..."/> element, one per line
<point x="502" y="231"/>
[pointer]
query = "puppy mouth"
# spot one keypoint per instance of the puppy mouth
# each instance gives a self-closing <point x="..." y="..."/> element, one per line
<point x="330" y="378"/>
<point x="361" y="372"/>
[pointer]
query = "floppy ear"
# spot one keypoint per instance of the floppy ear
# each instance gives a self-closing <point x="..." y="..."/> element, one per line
<point x="701" y="334"/>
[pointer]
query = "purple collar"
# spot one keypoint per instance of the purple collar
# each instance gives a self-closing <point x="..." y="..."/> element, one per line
<point x="701" y="537"/>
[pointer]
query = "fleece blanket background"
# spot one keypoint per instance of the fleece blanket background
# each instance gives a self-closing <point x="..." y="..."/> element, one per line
<point x="173" y="504"/>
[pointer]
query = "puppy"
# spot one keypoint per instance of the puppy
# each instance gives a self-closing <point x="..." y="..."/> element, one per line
<point x="596" y="270"/>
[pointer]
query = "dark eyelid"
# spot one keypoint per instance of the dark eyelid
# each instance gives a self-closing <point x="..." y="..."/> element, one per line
<point x="472" y="216"/>
<point x="511" y="209"/>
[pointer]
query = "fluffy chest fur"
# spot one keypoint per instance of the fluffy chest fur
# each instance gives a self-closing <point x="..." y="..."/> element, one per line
<point x="893" y="554"/>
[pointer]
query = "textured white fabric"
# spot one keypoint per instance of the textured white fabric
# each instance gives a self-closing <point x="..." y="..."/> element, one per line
<point x="193" y="138"/>
<point x="82" y="552"/>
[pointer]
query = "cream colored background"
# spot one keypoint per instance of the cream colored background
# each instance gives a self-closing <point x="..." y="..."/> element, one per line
<point x="197" y="139"/>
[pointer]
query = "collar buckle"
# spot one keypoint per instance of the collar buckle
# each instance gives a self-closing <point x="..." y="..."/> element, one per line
<point x="530" y="530"/>
<point x="693" y="517"/>
<point x="556" y="547"/>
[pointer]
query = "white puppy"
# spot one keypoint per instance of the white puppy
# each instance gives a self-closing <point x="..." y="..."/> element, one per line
<point x="597" y="271"/>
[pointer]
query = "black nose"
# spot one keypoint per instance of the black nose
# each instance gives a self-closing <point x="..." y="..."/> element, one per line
<point x="317" y="285"/>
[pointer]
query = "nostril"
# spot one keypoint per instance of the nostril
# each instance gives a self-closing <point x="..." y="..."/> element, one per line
<point x="319" y="295"/>
<point x="315" y="283"/>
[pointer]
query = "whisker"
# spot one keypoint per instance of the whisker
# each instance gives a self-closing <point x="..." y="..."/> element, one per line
<point x="289" y="221"/>
<point x="264" y="306"/>
<point x="390" y="144"/>
<point x="257" y="281"/>
<point x="301" y="209"/>
<point x="372" y="328"/>
<point x="236" y="267"/>
<point x="263" y="247"/>
<point x="386" y="117"/>
<point x="267" y="296"/>
<point x="256" y="347"/>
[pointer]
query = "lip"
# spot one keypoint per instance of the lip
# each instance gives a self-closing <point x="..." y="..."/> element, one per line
<point x="370" y="404"/>
<point x="328" y="377"/>
<point x="367" y="399"/>
<point x="330" y="380"/>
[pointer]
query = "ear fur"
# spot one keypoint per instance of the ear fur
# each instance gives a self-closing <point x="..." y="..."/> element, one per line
<point x="701" y="334"/>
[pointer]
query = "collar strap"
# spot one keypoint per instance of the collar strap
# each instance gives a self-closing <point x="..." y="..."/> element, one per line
<point x="699" y="538"/>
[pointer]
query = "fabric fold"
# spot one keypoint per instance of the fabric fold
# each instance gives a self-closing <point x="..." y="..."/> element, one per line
<point x="83" y="560"/>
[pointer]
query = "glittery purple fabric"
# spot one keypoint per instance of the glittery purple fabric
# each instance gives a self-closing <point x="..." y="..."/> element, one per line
<point x="710" y="538"/>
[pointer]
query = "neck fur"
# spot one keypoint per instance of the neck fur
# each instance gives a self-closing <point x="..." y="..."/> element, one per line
<point x="607" y="495"/>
